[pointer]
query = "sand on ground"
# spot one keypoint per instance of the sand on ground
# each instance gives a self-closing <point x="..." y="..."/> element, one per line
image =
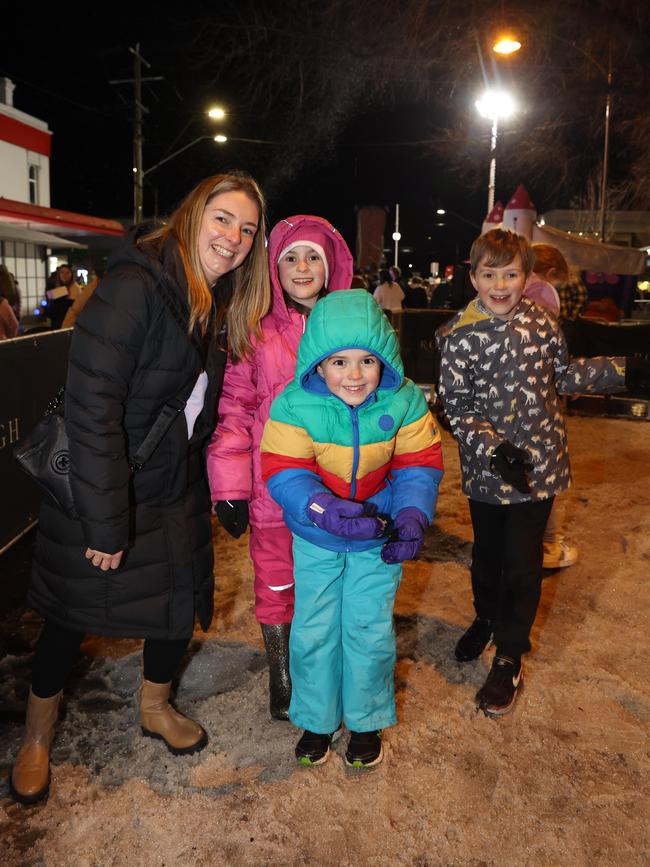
<point x="563" y="780"/>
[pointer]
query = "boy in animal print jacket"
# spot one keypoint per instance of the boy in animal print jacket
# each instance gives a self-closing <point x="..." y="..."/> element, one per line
<point x="503" y="362"/>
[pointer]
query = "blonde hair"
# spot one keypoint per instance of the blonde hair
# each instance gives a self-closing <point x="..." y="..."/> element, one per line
<point x="498" y="248"/>
<point x="245" y="293"/>
<point x="547" y="257"/>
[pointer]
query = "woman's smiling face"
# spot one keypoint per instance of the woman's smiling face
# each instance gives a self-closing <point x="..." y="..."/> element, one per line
<point x="226" y="235"/>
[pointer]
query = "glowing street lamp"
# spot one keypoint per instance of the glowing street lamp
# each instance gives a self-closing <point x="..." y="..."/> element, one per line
<point x="509" y="44"/>
<point x="216" y="113"/>
<point x="506" y="45"/>
<point x="221" y="138"/>
<point x="494" y="105"/>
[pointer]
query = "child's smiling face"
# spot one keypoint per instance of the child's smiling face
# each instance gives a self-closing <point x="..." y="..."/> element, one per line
<point x="500" y="289"/>
<point x="351" y="374"/>
<point x="302" y="274"/>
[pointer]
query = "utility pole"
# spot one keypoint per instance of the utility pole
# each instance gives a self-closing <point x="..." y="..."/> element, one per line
<point x="138" y="137"/>
<point x="603" y="178"/>
<point x="139" y="110"/>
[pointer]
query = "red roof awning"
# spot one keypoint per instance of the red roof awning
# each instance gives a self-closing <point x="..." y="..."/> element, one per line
<point x="51" y="219"/>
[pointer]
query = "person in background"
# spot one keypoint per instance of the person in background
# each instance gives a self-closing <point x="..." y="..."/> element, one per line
<point x="358" y="280"/>
<point x="416" y="294"/>
<point x="551" y="271"/>
<point x="61" y="293"/>
<point x="8" y="321"/>
<point x="80" y="302"/>
<point x="388" y="294"/>
<point x="10" y="290"/>
<point x="573" y="300"/>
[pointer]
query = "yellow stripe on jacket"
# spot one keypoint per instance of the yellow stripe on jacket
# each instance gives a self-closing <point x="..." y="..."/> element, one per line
<point x="287" y="439"/>
<point x="417" y="435"/>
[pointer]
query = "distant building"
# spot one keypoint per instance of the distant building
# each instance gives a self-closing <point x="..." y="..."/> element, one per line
<point x="27" y="222"/>
<point x="625" y="228"/>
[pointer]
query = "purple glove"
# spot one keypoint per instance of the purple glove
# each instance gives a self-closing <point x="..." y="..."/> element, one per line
<point x="407" y="536"/>
<point x="345" y="518"/>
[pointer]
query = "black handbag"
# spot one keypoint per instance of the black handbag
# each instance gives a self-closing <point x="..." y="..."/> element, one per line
<point x="44" y="456"/>
<point x="44" y="453"/>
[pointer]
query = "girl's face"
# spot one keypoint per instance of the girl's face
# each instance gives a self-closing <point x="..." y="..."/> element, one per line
<point x="302" y="274"/>
<point x="226" y="235"/>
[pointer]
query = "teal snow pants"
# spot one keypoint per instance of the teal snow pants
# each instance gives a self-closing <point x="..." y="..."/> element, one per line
<point x="342" y="645"/>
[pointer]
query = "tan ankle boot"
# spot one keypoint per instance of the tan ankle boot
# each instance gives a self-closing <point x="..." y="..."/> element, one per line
<point x="159" y="720"/>
<point x="30" y="775"/>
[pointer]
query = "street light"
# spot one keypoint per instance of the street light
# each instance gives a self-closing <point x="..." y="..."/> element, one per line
<point x="396" y="235"/>
<point x="216" y="113"/>
<point x="493" y="105"/>
<point x="505" y="46"/>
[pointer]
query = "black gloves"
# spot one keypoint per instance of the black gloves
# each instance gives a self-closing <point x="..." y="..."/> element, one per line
<point x="512" y="463"/>
<point x="637" y="374"/>
<point x="233" y="516"/>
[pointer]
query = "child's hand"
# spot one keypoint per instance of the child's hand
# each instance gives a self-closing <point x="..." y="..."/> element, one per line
<point x="409" y="526"/>
<point x="345" y="518"/>
<point x="512" y="463"/>
<point x="233" y="516"/>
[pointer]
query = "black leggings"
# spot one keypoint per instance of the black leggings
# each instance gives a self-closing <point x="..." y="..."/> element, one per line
<point x="58" y="648"/>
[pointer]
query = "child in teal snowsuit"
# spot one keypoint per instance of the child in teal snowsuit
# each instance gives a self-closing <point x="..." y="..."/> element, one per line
<point x="353" y="456"/>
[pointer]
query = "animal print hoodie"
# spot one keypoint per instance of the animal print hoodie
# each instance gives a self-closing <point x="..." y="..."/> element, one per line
<point x="500" y="381"/>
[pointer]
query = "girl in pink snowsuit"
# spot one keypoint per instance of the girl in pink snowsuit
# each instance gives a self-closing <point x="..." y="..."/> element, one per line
<point x="307" y="259"/>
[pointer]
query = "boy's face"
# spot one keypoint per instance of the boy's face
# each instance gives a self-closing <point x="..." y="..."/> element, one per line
<point x="500" y="289"/>
<point x="302" y="274"/>
<point x="351" y="374"/>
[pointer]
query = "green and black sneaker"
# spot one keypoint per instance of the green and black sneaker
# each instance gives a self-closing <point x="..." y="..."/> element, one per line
<point x="313" y="749"/>
<point x="364" y="749"/>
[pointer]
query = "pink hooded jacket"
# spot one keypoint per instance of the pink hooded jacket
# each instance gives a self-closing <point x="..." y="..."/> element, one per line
<point x="250" y="385"/>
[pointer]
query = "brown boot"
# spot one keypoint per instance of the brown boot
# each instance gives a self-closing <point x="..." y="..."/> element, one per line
<point x="159" y="720"/>
<point x="30" y="775"/>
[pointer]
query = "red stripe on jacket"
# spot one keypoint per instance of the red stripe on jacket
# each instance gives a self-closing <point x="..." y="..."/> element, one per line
<point x="272" y="464"/>
<point x="429" y="457"/>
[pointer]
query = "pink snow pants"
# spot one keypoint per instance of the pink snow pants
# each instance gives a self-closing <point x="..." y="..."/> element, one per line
<point x="270" y="551"/>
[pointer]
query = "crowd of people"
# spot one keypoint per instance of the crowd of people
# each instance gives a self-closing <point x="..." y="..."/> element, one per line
<point x="291" y="416"/>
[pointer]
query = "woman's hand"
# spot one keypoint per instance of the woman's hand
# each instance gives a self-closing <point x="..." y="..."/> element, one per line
<point x="104" y="561"/>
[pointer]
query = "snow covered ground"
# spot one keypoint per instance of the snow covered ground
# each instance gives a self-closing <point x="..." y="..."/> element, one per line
<point x="562" y="780"/>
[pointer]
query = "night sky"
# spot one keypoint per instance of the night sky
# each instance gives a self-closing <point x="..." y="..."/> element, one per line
<point x="62" y="73"/>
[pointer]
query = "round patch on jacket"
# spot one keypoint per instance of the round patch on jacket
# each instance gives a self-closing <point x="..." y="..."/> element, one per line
<point x="386" y="422"/>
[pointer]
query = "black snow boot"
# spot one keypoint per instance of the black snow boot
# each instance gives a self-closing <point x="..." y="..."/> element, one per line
<point x="276" y="641"/>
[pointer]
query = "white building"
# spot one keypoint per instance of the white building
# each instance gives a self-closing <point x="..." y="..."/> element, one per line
<point x="27" y="222"/>
<point x="25" y="146"/>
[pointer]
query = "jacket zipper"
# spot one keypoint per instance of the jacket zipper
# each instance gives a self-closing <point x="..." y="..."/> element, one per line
<point x="355" y="450"/>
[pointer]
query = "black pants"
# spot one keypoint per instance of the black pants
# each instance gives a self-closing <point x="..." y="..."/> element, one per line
<point x="58" y="648"/>
<point x="507" y="568"/>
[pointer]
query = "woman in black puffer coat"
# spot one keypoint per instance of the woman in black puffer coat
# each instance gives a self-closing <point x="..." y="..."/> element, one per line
<point x="137" y="562"/>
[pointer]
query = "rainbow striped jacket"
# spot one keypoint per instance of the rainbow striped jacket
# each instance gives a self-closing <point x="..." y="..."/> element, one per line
<point x="386" y="451"/>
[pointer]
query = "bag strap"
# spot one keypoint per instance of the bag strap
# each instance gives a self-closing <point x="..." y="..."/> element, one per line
<point x="159" y="428"/>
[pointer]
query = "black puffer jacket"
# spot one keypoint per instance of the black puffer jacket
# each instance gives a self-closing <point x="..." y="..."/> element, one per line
<point x="129" y="356"/>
